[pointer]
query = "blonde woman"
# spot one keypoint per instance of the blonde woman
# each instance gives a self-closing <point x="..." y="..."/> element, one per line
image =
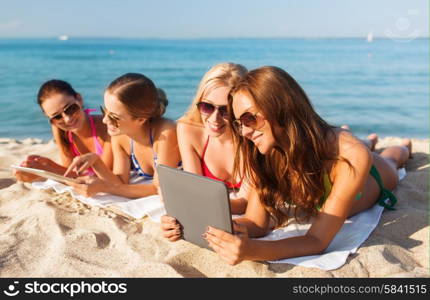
<point x="205" y="138"/>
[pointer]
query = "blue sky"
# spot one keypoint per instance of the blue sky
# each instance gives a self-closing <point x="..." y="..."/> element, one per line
<point x="213" y="19"/>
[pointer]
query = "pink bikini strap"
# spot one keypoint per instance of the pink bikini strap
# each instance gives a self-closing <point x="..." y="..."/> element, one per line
<point x="99" y="148"/>
<point x="73" y="148"/>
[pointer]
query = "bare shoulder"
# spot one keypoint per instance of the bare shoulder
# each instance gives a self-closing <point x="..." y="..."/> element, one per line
<point x="121" y="141"/>
<point x="351" y="147"/>
<point x="191" y="133"/>
<point x="164" y="127"/>
<point x="190" y="129"/>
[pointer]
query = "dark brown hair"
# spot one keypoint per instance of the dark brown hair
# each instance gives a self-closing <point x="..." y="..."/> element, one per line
<point x="290" y="176"/>
<point x="139" y="95"/>
<point x="53" y="87"/>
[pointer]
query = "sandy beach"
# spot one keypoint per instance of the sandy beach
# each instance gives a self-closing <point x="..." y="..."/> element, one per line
<point x="43" y="234"/>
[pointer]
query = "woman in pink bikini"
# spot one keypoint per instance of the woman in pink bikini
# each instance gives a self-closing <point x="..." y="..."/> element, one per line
<point x="205" y="140"/>
<point x="75" y="131"/>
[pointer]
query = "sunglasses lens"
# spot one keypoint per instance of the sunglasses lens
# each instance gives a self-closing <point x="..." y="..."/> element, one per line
<point x="249" y="120"/>
<point x="72" y="109"/>
<point x="113" y="121"/>
<point x="57" y="117"/>
<point x="223" y="111"/>
<point x="205" y="108"/>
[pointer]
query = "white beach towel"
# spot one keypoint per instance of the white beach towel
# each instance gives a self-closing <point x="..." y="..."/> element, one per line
<point x="353" y="233"/>
<point x="136" y="208"/>
<point x="347" y="241"/>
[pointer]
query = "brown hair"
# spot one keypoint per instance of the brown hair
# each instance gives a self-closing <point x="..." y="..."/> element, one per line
<point x="53" y="87"/>
<point x="291" y="174"/>
<point x="139" y="95"/>
<point x="222" y="74"/>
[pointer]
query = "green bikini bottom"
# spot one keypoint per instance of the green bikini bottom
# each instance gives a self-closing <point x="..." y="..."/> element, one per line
<point x="383" y="195"/>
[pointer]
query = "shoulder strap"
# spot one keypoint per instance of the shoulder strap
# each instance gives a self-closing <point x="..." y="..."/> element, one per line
<point x="204" y="149"/>
<point x="97" y="146"/>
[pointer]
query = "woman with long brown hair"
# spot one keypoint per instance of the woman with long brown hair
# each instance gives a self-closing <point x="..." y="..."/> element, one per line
<point x="298" y="166"/>
<point x="75" y="130"/>
<point x="141" y="138"/>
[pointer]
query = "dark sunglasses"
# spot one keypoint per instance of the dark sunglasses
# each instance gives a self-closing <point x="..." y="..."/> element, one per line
<point x="111" y="118"/>
<point x="206" y="108"/>
<point x="69" y="111"/>
<point x="248" y="119"/>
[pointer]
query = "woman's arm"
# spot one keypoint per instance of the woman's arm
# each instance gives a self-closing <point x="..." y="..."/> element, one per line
<point x="348" y="182"/>
<point x="188" y="136"/>
<point x="166" y="147"/>
<point x="114" y="182"/>
<point x="44" y="163"/>
<point x="38" y="162"/>
<point x="92" y="160"/>
<point x="238" y="200"/>
<point x="107" y="156"/>
<point x="256" y="218"/>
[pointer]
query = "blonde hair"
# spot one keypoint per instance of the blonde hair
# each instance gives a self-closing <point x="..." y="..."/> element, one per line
<point x="220" y="75"/>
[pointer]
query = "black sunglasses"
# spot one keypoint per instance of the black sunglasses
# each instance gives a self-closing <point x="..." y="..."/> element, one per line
<point x="69" y="111"/>
<point x="207" y="109"/>
<point x="248" y="119"/>
<point x="112" y="119"/>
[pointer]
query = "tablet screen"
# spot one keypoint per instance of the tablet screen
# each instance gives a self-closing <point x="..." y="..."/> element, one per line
<point x="195" y="201"/>
<point x="45" y="174"/>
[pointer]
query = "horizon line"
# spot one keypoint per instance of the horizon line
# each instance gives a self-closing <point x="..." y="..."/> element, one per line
<point x="207" y="38"/>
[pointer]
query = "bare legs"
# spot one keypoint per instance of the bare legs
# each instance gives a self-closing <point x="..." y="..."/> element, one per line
<point x="371" y="141"/>
<point x="398" y="155"/>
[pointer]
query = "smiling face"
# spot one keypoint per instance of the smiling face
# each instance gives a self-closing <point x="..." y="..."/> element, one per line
<point x="215" y="124"/>
<point x="56" y="105"/>
<point x="262" y="136"/>
<point x="116" y="110"/>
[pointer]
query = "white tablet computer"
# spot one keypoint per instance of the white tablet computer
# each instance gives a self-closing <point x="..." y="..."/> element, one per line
<point x="45" y="174"/>
<point x="195" y="201"/>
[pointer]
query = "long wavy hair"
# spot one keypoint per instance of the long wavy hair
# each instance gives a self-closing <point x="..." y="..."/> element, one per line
<point x="220" y="75"/>
<point x="290" y="176"/>
<point x="140" y="96"/>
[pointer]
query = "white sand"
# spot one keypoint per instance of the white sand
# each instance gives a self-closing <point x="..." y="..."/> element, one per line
<point x="47" y="235"/>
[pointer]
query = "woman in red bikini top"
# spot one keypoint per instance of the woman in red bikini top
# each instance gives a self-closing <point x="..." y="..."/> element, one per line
<point x="75" y="131"/>
<point x="205" y="139"/>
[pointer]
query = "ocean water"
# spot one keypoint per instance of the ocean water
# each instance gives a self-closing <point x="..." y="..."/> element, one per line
<point x="380" y="87"/>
